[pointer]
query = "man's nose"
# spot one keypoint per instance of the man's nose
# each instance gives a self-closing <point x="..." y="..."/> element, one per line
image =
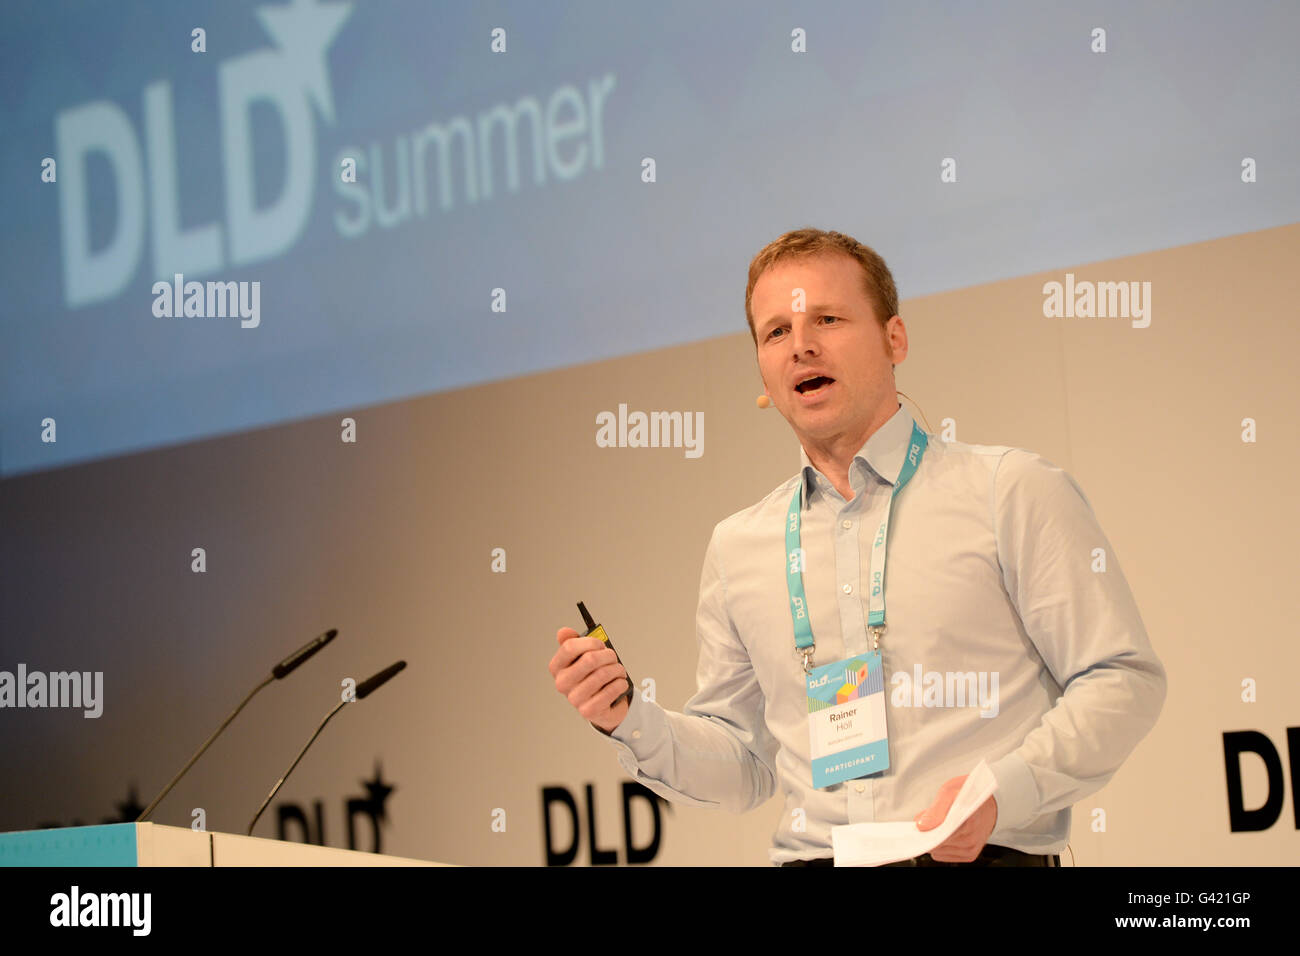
<point x="802" y="337"/>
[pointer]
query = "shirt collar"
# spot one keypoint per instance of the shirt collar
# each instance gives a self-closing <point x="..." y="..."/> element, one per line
<point x="884" y="452"/>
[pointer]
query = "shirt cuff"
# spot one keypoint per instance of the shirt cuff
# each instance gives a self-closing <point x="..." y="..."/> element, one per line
<point x="1016" y="795"/>
<point x="628" y="736"/>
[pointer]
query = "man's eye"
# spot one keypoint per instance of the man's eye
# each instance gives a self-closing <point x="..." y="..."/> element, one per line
<point x="778" y="328"/>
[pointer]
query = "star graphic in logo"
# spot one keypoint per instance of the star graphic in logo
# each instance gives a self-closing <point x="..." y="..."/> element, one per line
<point x="378" y="791"/>
<point x="304" y="30"/>
<point x="128" y="810"/>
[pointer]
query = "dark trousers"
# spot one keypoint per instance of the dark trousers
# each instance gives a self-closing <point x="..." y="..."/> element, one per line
<point x="989" y="856"/>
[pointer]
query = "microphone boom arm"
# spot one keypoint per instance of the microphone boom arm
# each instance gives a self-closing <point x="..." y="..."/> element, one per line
<point x="274" y="790"/>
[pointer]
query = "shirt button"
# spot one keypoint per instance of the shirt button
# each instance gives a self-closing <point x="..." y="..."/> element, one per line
<point x="848" y="589"/>
<point x="636" y="735"/>
<point x="846" y="523"/>
<point x="861" y="787"/>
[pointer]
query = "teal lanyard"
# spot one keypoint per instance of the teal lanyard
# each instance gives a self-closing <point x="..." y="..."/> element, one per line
<point x="803" y="636"/>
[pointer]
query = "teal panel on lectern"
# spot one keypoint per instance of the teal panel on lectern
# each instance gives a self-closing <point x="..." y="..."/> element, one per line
<point x="109" y="845"/>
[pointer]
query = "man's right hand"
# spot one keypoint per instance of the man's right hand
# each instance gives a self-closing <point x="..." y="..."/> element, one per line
<point x="588" y="673"/>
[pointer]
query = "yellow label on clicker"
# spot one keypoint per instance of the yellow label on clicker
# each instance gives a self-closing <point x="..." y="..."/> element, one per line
<point x="600" y="633"/>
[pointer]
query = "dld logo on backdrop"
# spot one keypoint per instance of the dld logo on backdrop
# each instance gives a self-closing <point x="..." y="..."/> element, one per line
<point x="1238" y="742"/>
<point x="292" y="79"/>
<point x="560" y="796"/>
<point x="289" y="79"/>
<point x="370" y="807"/>
<point x="293" y="822"/>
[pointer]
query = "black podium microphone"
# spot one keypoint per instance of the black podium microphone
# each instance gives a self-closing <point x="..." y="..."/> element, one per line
<point x="278" y="672"/>
<point x="365" y="688"/>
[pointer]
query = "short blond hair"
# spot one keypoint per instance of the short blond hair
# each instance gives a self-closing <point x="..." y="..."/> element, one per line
<point x="877" y="280"/>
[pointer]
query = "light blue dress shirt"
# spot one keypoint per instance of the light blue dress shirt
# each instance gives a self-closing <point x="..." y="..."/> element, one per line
<point x="1012" y="637"/>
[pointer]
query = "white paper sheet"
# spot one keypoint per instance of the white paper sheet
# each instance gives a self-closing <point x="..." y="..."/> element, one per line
<point x="873" y="844"/>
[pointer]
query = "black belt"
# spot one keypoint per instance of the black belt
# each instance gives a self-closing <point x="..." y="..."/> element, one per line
<point x="991" y="855"/>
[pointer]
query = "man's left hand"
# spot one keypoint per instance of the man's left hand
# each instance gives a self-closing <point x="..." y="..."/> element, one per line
<point x="968" y="839"/>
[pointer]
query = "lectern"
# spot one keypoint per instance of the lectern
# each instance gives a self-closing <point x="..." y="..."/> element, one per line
<point x="150" y="844"/>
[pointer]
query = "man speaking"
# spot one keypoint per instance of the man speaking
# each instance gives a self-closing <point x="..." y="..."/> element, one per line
<point x="899" y="611"/>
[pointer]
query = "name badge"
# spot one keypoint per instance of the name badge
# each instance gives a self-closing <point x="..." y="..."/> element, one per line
<point x="846" y="719"/>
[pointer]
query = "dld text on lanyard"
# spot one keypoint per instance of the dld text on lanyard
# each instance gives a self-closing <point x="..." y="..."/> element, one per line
<point x="803" y="636"/>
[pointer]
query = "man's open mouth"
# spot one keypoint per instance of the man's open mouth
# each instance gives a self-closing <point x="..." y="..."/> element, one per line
<point x="812" y="384"/>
